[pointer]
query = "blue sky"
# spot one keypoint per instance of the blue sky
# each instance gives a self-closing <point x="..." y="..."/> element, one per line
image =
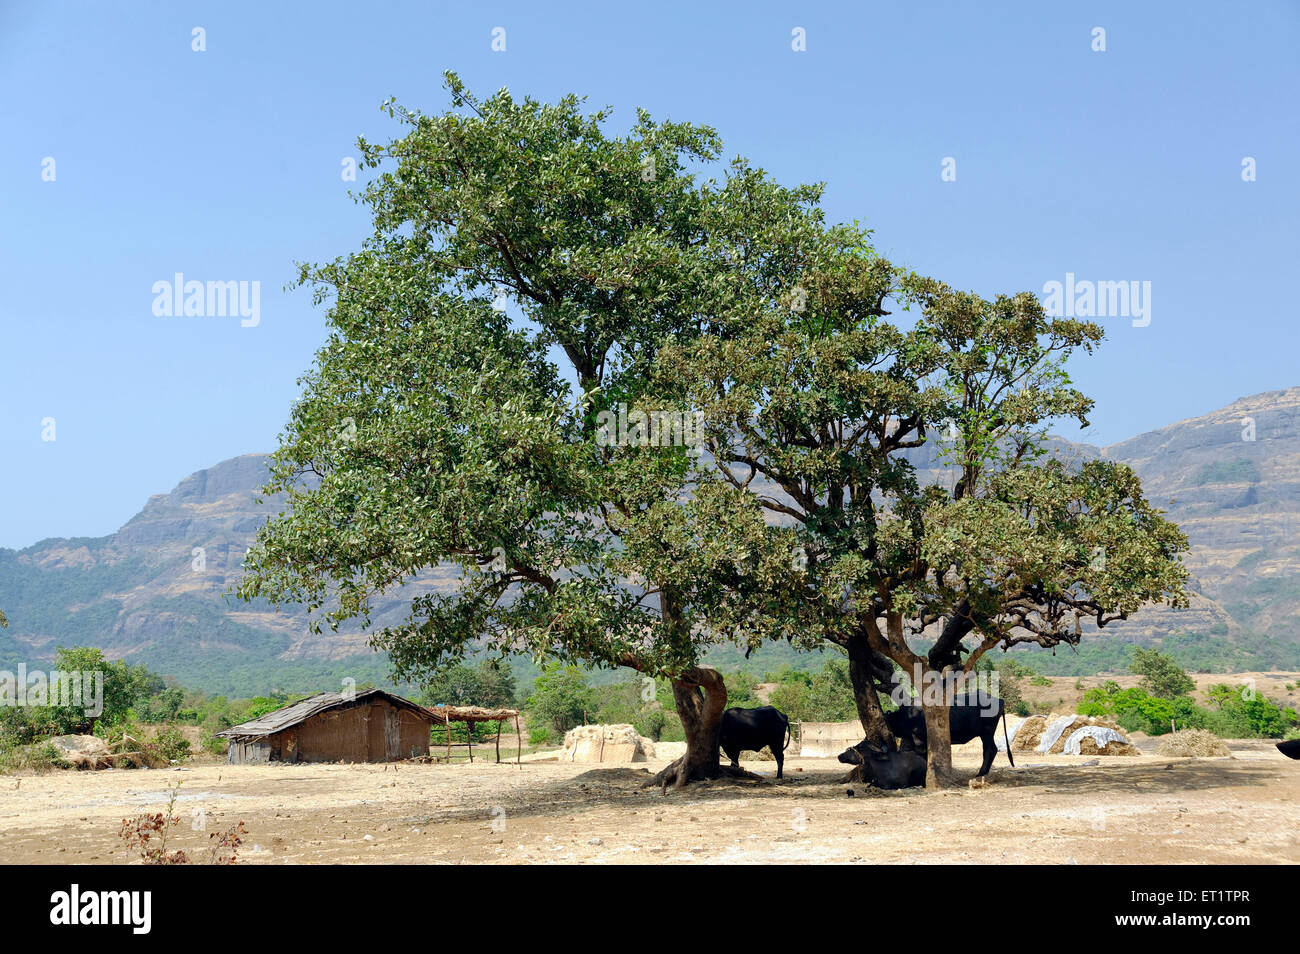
<point x="225" y="165"/>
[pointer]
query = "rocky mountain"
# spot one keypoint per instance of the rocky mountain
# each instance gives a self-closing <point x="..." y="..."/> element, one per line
<point x="156" y="591"/>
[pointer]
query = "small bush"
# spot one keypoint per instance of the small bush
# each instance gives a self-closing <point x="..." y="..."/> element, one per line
<point x="39" y="757"/>
<point x="171" y="744"/>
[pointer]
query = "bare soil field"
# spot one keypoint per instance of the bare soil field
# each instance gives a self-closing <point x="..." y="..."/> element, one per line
<point x="1049" y="809"/>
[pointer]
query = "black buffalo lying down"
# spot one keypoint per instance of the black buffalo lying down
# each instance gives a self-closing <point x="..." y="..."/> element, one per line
<point x="749" y="730"/>
<point x="902" y="768"/>
<point x="1290" y="748"/>
<point x="972" y="716"/>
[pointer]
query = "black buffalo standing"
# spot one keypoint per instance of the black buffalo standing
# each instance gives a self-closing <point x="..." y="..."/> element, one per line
<point x="971" y="716"/>
<point x="749" y="730"/>
<point x="1290" y="748"/>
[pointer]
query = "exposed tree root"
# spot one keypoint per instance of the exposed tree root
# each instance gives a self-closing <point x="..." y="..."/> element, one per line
<point x="672" y="775"/>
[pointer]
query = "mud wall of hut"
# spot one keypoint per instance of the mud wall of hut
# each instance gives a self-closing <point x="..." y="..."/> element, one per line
<point x="371" y="732"/>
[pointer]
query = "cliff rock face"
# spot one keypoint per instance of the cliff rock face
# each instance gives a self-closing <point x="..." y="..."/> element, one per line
<point x="1231" y="480"/>
<point x="156" y="591"/>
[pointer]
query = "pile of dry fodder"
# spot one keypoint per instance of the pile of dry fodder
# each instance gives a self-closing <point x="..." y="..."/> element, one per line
<point x="92" y="752"/>
<point x="1192" y="743"/>
<point x="1052" y="733"/>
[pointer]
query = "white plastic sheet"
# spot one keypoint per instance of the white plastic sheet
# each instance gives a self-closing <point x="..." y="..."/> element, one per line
<point x="1098" y="733"/>
<point x="1013" y="727"/>
<point x="1053" y="732"/>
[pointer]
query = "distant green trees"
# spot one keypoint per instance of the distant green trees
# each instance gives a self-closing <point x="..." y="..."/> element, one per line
<point x="1163" y="702"/>
<point x="822" y="696"/>
<point x="490" y="684"/>
<point x="561" y="698"/>
<point x="1161" y="676"/>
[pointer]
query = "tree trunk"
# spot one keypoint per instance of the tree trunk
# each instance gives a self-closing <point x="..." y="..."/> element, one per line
<point x="701" y="698"/>
<point x="700" y="704"/>
<point x="865" y="697"/>
<point x="938" y="743"/>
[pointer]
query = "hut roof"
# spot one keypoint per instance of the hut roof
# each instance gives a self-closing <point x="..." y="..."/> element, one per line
<point x="304" y="709"/>
<point x="445" y="714"/>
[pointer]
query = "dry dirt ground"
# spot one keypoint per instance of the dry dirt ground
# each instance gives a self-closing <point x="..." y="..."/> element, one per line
<point x="1049" y="809"/>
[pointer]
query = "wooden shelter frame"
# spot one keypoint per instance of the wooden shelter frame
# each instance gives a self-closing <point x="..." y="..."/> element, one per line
<point x="446" y="715"/>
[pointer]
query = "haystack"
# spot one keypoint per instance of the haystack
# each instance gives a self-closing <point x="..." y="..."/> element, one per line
<point x="1192" y="743"/>
<point x="1053" y="732"/>
<point x="83" y="751"/>
<point x="605" y="743"/>
<point x="1028" y="734"/>
<point x="1099" y="740"/>
<point x="92" y="752"/>
<point x="664" y="751"/>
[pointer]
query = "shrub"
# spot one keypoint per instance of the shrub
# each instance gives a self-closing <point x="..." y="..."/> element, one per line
<point x="490" y="684"/>
<point x="822" y="696"/>
<point x="39" y="757"/>
<point x="561" y="697"/>
<point x="1161" y="676"/>
<point x="172" y="744"/>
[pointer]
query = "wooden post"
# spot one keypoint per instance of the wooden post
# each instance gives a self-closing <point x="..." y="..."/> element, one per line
<point x="447" y="725"/>
<point x="519" y="741"/>
<point x="498" y="741"/>
<point x="469" y="734"/>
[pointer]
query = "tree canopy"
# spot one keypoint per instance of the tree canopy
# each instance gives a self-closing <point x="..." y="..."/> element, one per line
<point x="552" y="454"/>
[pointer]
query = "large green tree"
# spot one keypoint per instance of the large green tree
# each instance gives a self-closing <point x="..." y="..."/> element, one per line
<point x="434" y="428"/>
<point x="817" y="405"/>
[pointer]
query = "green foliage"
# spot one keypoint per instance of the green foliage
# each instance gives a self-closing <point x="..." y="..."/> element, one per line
<point x="261" y="705"/>
<point x="1235" y="713"/>
<point x="1238" y="471"/>
<point x="444" y="431"/>
<point x="172" y="744"/>
<point x="561" y="698"/>
<point x="490" y="684"/>
<point x="1195" y="652"/>
<point x="823" y="696"/>
<point x="1161" y="676"/>
<point x="437" y="429"/>
<point x="212" y="743"/>
<point x="38" y="757"/>
<point x="1245" y="713"/>
<point x="162" y="706"/>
